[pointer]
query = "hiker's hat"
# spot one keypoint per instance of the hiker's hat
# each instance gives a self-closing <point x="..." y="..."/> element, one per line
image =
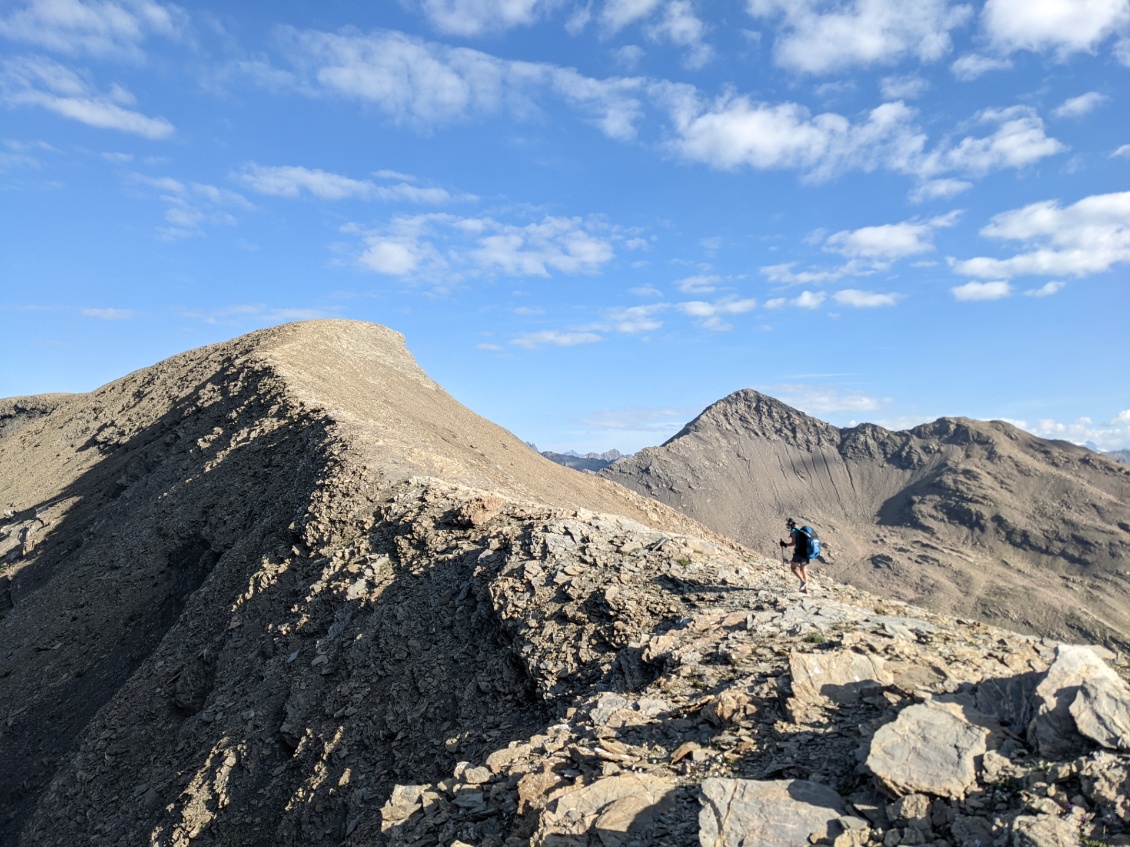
<point x="790" y="523"/>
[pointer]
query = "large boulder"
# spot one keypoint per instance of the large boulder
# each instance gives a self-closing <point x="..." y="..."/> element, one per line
<point x="1080" y="701"/>
<point x="770" y="813"/>
<point x="930" y="748"/>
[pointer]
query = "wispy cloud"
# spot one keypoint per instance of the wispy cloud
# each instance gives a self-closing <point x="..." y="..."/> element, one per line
<point x="865" y="299"/>
<point x="636" y="319"/>
<point x="96" y="27"/>
<point x="108" y="314"/>
<point x="438" y="245"/>
<point x="1078" y="106"/>
<point x="470" y="18"/>
<point x="974" y="66"/>
<point x="826" y="399"/>
<point x="1046" y="290"/>
<point x="40" y="82"/>
<point x="555" y="338"/>
<point x="191" y="206"/>
<point x="712" y="316"/>
<point x="1113" y="434"/>
<point x="297" y="181"/>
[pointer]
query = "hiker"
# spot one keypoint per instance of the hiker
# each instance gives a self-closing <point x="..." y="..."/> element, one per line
<point x="800" y="539"/>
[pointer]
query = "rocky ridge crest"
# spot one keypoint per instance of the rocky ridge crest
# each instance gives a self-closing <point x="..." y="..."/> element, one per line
<point x="285" y="591"/>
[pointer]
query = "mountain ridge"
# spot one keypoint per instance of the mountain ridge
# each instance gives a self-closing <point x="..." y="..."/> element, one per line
<point x="917" y="514"/>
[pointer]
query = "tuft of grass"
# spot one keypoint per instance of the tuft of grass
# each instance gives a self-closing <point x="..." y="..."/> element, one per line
<point x="815" y="638"/>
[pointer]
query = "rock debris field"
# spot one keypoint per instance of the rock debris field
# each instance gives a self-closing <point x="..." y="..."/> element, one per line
<point x="286" y="591"/>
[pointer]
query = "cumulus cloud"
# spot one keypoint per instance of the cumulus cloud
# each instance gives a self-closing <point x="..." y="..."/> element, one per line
<point x="859" y="33"/>
<point x="470" y="18"/>
<point x="36" y="81"/>
<point x="555" y="338"/>
<point x="1060" y="26"/>
<point x="1087" y="237"/>
<point x="93" y="27"/>
<point x="1017" y="141"/>
<point x="439" y="246"/>
<point x="296" y="181"/>
<point x="982" y="290"/>
<point x="974" y="65"/>
<point x="698" y="284"/>
<point x="1081" y="105"/>
<point x="865" y="299"/>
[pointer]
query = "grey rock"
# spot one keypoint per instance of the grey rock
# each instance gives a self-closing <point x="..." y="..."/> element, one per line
<point x="742" y="813"/>
<point x="1054" y="729"/>
<point x="1044" y="831"/>
<point x="929" y="748"/>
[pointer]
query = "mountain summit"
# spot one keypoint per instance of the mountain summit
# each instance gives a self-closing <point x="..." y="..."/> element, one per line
<point x="968" y="517"/>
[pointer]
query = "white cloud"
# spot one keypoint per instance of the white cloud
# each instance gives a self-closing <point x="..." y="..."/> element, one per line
<point x="646" y="291"/>
<point x="1046" y="290"/>
<point x="486" y="345"/>
<point x="35" y="81"/>
<point x="809" y="299"/>
<point x="889" y="241"/>
<point x="860" y="33"/>
<point x="738" y="132"/>
<point x="902" y="87"/>
<point x="189" y="206"/>
<point x="474" y="17"/>
<point x="437" y="247"/>
<point x="939" y="189"/>
<point x="555" y="338"/>
<point x="982" y="290"/>
<point x="784" y="273"/>
<point x="823" y="400"/>
<point x="294" y="181"/>
<point x="1019" y="140"/>
<point x="426" y="85"/>
<point x="257" y="314"/>
<point x="617" y="14"/>
<point x="1081" y="105"/>
<point x="108" y="314"/>
<point x="699" y="284"/>
<point x="1062" y="26"/>
<point x="710" y="315"/>
<point x="973" y="65"/>
<point x="636" y="319"/>
<point x="865" y="299"/>
<point x="94" y="27"/>
<point x="1110" y="435"/>
<point x="682" y="27"/>
<point x="1123" y="151"/>
<point x="1087" y="237"/>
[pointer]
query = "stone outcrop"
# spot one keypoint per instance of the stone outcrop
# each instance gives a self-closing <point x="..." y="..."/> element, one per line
<point x="284" y="591"/>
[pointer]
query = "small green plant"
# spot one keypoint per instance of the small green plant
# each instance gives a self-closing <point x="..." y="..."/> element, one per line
<point x="815" y="638"/>
<point x="1091" y="842"/>
<point x="683" y="560"/>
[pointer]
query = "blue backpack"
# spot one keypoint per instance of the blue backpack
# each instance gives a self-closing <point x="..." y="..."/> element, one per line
<point x="813" y="545"/>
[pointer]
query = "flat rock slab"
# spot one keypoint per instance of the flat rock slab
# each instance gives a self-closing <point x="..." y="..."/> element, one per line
<point x="771" y="813"/>
<point x="842" y="676"/>
<point x="930" y="748"/>
<point x="613" y="812"/>
<point x="1079" y="701"/>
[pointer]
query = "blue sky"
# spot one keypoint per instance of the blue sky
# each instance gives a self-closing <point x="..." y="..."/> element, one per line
<point x="590" y="220"/>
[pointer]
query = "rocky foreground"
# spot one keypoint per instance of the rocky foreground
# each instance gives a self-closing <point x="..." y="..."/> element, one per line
<point x="286" y="591"/>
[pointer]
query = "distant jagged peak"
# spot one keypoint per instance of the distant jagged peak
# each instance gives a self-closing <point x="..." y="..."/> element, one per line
<point x="747" y="412"/>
